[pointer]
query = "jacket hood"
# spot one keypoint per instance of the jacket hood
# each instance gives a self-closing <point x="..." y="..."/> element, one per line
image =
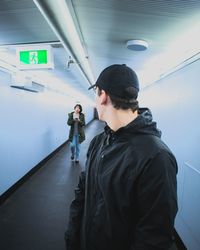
<point x="143" y="124"/>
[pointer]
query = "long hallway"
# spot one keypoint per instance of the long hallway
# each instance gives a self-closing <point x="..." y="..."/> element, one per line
<point x="35" y="216"/>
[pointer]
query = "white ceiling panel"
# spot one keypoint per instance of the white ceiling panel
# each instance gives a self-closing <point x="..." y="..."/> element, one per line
<point x="104" y="27"/>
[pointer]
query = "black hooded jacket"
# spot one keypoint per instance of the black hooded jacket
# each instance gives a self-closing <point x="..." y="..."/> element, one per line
<point x="126" y="199"/>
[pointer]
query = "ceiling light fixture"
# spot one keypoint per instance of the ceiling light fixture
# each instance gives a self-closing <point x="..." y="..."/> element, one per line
<point x="137" y="45"/>
<point x="58" y="16"/>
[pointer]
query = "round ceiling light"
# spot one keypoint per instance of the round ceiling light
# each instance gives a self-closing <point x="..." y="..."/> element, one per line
<point x="137" y="45"/>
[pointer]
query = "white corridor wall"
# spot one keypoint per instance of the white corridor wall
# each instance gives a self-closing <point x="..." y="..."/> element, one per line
<point x="32" y="125"/>
<point x="175" y="102"/>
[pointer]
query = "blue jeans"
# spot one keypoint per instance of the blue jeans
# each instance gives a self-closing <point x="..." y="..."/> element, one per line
<point x="75" y="147"/>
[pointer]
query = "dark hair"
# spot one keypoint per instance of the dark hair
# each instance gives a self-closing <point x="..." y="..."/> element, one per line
<point x="124" y="103"/>
<point x="80" y="107"/>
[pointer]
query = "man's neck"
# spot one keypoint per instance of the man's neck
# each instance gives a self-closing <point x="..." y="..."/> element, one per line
<point x="120" y="118"/>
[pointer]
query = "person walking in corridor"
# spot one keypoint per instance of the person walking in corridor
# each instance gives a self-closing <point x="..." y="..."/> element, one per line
<point x="76" y="121"/>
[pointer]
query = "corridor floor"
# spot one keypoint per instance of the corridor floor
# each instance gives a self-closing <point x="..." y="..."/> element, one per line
<point x="34" y="217"/>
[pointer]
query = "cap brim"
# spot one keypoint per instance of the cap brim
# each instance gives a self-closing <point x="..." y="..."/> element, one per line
<point x="91" y="87"/>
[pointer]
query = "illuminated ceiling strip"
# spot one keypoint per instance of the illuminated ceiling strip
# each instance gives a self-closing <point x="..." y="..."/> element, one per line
<point x="181" y="65"/>
<point x="176" y="68"/>
<point x="60" y="20"/>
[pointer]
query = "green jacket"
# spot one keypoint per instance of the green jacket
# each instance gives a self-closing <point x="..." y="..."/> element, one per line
<point x="81" y="133"/>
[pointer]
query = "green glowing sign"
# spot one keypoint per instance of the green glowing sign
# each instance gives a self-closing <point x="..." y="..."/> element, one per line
<point x="33" y="57"/>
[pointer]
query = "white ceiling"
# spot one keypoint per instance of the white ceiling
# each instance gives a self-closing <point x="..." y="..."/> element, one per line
<point x="104" y="27"/>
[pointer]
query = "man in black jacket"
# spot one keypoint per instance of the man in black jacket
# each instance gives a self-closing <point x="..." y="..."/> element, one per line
<point x="126" y="199"/>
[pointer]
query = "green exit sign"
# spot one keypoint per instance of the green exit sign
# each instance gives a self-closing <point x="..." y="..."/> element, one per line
<point x="34" y="57"/>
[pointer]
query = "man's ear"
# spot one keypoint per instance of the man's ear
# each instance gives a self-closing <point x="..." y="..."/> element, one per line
<point x="104" y="97"/>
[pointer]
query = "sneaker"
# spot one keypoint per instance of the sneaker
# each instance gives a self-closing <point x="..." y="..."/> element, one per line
<point x="72" y="157"/>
